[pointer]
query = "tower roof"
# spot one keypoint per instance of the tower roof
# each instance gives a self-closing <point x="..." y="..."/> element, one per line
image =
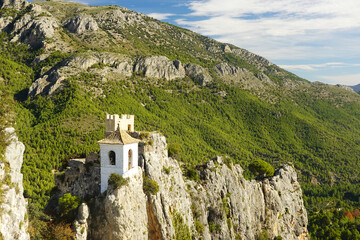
<point x="120" y="137"/>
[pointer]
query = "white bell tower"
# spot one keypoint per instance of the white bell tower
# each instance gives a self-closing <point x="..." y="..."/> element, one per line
<point x="118" y="150"/>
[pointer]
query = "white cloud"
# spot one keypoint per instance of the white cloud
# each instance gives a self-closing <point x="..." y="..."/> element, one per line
<point x="281" y="29"/>
<point x="160" y="16"/>
<point x="313" y="67"/>
<point x="298" y="67"/>
<point x="350" y="80"/>
<point x="278" y="9"/>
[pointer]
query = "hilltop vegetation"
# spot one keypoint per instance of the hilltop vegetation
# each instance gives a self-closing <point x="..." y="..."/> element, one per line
<point x="283" y="119"/>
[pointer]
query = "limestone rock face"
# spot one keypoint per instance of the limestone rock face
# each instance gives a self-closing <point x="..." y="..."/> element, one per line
<point x="250" y="206"/>
<point x="81" y="23"/>
<point x="4" y="22"/>
<point x="264" y="78"/>
<point x="222" y="205"/>
<point x="39" y="30"/>
<point x="13" y="221"/>
<point x="224" y="69"/>
<point x="198" y="74"/>
<point x="33" y="28"/>
<point x="52" y="80"/>
<point x="122" y="213"/>
<point x="252" y="58"/>
<point x="241" y="77"/>
<point x="80" y="179"/>
<point x="160" y="67"/>
<point x="17" y="4"/>
<point x="153" y="67"/>
<point x="223" y="202"/>
<point x="282" y="194"/>
<point x="119" y="17"/>
<point x="81" y="223"/>
<point x="172" y="198"/>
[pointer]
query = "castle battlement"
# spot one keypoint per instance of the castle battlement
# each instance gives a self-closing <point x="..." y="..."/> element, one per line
<point x="118" y="150"/>
<point x="124" y="122"/>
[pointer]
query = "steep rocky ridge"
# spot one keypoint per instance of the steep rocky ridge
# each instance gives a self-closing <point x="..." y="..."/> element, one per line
<point x="46" y="25"/>
<point x="107" y="65"/>
<point x="69" y="27"/>
<point x="222" y="205"/>
<point x="13" y="219"/>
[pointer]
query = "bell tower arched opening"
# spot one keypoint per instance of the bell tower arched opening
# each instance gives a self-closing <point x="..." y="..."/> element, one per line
<point x="130" y="157"/>
<point x="112" y="158"/>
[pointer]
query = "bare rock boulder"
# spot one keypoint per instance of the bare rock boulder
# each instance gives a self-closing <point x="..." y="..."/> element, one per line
<point x="160" y="67"/>
<point x="17" y="4"/>
<point x="13" y="220"/>
<point x="198" y="74"/>
<point x="81" y="23"/>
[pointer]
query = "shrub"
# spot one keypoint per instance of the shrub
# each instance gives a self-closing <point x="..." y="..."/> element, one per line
<point x="182" y="231"/>
<point x="150" y="186"/>
<point x="68" y="205"/>
<point x="60" y="231"/>
<point x="174" y="150"/>
<point x="192" y="174"/>
<point x="144" y="135"/>
<point x="264" y="235"/>
<point x="199" y="227"/>
<point x="166" y="170"/>
<point x="211" y="227"/>
<point x="260" y="167"/>
<point x="116" y="180"/>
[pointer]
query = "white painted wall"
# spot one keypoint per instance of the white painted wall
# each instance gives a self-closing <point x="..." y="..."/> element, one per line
<point x="134" y="148"/>
<point x="121" y="161"/>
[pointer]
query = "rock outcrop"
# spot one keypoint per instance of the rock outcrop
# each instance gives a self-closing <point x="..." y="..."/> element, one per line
<point x="256" y="60"/>
<point x="229" y="206"/>
<point x="17" y="4"/>
<point x="243" y="78"/>
<point x="39" y="30"/>
<point x="107" y="64"/>
<point x="220" y="205"/>
<point x="34" y="25"/>
<point x="13" y="220"/>
<point x="198" y="74"/>
<point x="80" y="179"/>
<point x="81" y="23"/>
<point x="173" y="197"/>
<point x="102" y="64"/>
<point x="81" y="223"/>
<point x="122" y="213"/>
<point x="160" y="67"/>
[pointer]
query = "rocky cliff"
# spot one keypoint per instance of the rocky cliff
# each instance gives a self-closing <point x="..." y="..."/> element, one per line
<point x="13" y="219"/>
<point x="220" y="205"/>
<point x="124" y="43"/>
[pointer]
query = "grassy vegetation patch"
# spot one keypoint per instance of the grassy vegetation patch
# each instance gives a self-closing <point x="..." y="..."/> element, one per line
<point x="117" y="181"/>
<point x="182" y="231"/>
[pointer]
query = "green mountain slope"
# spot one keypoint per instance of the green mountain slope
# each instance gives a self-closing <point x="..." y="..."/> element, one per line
<point x="249" y="109"/>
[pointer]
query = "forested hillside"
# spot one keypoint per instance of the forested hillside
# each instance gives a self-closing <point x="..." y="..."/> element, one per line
<point x="228" y="102"/>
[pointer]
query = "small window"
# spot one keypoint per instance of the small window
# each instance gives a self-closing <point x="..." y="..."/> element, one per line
<point x="112" y="158"/>
<point x="129" y="127"/>
<point x="130" y="159"/>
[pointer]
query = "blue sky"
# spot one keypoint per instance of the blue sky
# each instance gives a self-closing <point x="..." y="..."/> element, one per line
<point x="317" y="40"/>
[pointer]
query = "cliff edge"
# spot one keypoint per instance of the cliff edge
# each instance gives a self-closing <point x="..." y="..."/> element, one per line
<point x="221" y="204"/>
<point x="13" y="220"/>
